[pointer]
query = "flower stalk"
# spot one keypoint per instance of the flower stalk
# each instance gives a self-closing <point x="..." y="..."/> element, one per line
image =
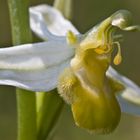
<point x="49" y="108"/>
<point x="26" y="102"/>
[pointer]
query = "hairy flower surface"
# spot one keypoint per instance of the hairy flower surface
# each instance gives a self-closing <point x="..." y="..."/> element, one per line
<point x="79" y="65"/>
<point x="85" y="84"/>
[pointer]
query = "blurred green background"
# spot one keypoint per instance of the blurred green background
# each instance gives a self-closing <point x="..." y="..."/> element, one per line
<point x="86" y="13"/>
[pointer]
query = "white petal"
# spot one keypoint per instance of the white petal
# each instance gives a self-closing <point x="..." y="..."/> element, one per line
<point x="128" y="107"/>
<point x="129" y="99"/>
<point x="45" y="19"/>
<point x="34" y="66"/>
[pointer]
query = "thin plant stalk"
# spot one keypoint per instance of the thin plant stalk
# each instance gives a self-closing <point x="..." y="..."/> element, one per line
<point x="65" y="6"/>
<point x="26" y="100"/>
<point x="49" y="108"/>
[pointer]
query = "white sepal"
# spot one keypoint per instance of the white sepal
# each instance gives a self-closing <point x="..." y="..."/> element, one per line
<point x="45" y="21"/>
<point x="36" y="66"/>
<point x="129" y="98"/>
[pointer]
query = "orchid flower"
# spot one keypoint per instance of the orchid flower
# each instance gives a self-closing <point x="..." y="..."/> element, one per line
<point x="78" y="65"/>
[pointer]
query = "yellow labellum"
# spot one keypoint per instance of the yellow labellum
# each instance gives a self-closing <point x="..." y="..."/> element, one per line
<point x="85" y="85"/>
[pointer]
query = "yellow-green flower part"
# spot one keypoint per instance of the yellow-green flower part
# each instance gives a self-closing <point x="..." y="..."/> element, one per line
<point x="85" y="86"/>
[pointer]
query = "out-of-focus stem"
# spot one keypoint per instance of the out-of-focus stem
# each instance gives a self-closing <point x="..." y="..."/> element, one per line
<point x="26" y="101"/>
<point x="49" y="107"/>
<point x="65" y="6"/>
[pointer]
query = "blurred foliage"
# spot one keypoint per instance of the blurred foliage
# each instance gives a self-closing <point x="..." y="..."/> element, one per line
<point x="86" y="14"/>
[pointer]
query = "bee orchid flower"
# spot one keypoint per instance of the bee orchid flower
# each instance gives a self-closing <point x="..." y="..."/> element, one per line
<point x="77" y="64"/>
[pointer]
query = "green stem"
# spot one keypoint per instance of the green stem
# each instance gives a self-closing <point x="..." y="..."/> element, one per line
<point x="26" y="115"/>
<point x="49" y="107"/>
<point x="26" y="101"/>
<point x="65" y="7"/>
